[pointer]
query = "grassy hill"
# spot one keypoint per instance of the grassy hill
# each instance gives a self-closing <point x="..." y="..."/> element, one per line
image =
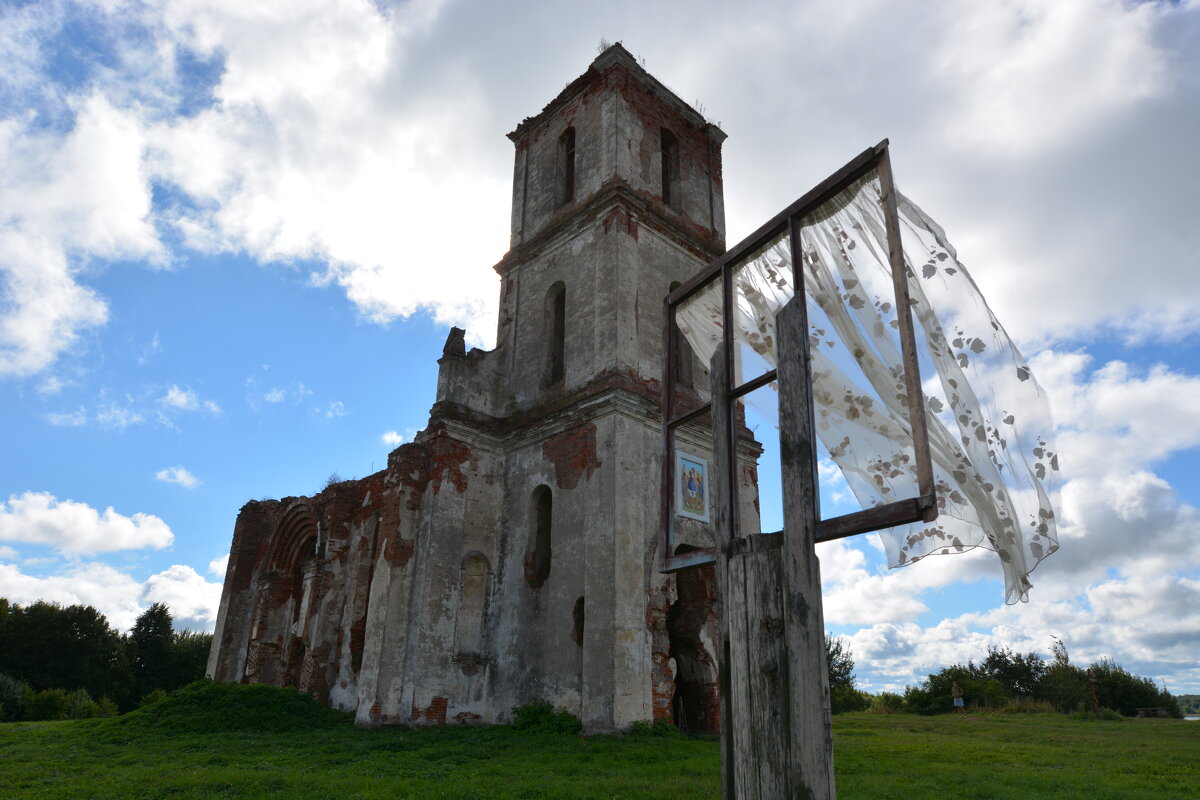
<point x="217" y="741"/>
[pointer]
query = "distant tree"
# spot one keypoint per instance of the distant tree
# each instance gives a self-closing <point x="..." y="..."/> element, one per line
<point x="1018" y="674"/>
<point x="839" y="661"/>
<point x="1064" y="685"/>
<point x="51" y="647"/>
<point x="151" y="649"/>
<point x="189" y="657"/>
<point x="1124" y="692"/>
<point x="12" y="698"/>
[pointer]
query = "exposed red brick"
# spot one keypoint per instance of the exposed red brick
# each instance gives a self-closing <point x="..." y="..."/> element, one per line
<point x="398" y="551"/>
<point x="435" y="712"/>
<point x="573" y="454"/>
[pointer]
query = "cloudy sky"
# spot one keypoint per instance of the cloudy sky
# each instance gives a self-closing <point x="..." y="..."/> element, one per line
<point x="233" y="236"/>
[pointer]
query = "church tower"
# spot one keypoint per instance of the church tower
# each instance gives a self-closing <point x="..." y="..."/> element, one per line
<point x="508" y="553"/>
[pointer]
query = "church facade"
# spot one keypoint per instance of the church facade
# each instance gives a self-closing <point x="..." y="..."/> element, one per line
<point x="509" y="552"/>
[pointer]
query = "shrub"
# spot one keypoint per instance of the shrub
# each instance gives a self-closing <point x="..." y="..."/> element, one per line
<point x="12" y="698"/>
<point x="1026" y="705"/>
<point x="847" y="698"/>
<point x="540" y="716"/>
<point x="659" y="727"/>
<point x="887" y="703"/>
<point x="80" y="705"/>
<point x="48" y="705"/>
<point x="152" y="697"/>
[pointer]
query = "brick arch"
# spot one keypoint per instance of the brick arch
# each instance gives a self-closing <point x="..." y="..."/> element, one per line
<point x="295" y="539"/>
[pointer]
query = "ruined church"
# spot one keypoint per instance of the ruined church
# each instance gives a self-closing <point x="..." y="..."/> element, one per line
<point x="509" y="552"/>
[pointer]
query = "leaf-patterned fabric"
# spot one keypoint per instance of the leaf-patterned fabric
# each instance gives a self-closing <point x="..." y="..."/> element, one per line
<point x="994" y="462"/>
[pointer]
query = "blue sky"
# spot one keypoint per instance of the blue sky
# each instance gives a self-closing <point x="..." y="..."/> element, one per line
<point x="233" y="239"/>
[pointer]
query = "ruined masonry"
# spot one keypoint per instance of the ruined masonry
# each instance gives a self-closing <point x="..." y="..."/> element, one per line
<point x="508" y="552"/>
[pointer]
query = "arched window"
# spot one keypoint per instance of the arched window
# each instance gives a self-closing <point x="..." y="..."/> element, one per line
<point x="537" y="560"/>
<point x="670" y="168"/>
<point x="556" y="330"/>
<point x="566" y="166"/>
<point x="683" y="356"/>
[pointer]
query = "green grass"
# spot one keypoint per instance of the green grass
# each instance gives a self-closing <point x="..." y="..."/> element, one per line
<point x="214" y="741"/>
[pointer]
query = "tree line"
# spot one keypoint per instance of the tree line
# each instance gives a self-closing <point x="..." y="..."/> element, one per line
<point x="1006" y="680"/>
<point x="67" y="662"/>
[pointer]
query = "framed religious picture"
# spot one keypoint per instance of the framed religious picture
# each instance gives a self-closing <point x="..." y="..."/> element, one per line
<point x="691" y="486"/>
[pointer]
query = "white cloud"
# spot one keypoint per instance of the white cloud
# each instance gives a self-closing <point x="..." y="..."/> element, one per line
<point x="181" y="399"/>
<point x="392" y="438"/>
<point x="274" y="396"/>
<point x="68" y="419"/>
<point x="193" y="600"/>
<point x="119" y="596"/>
<point x="77" y="528"/>
<point x="7" y="553"/>
<point x="65" y="199"/>
<point x="178" y="475"/>
<point x="119" y="417"/>
<point x="112" y="592"/>
<point x="336" y="409"/>
<point x="217" y="566"/>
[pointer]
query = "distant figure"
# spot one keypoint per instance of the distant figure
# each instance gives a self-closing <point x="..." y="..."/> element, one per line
<point x="957" y="693"/>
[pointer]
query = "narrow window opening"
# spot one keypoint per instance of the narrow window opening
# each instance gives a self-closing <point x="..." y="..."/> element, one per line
<point x="577" y="617"/>
<point x="670" y="168"/>
<point x="566" y="160"/>
<point x="556" y="325"/>
<point x="684" y="357"/>
<point x="537" y="560"/>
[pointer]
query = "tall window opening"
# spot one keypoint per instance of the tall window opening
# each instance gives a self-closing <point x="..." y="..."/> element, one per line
<point x="566" y="161"/>
<point x="556" y="328"/>
<point x="537" y="559"/>
<point x="684" y="357"/>
<point x="670" y="168"/>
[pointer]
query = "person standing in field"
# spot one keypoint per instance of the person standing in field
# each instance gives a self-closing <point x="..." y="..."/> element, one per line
<point x="956" y="692"/>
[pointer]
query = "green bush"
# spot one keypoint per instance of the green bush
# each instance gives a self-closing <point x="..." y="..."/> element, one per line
<point x="659" y="727"/>
<point x="48" y="705"/>
<point x="80" y="705"/>
<point x="887" y="703"/>
<point x="152" y="697"/>
<point x="541" y="717"/>
<point x="847" y="698"/>
<point x="1025" y="705"/>
<point x="12" y="698"/>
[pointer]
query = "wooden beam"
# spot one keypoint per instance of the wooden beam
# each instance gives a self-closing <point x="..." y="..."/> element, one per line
<point x="810" y="739"/>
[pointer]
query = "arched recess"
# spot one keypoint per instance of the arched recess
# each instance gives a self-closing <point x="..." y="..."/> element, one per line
<point x="556" y="333"/>
<point x="541" y="520"/>
<point x="475" y="576"/>
<point x="691" y="628"/>
<point x="291" y="572"/>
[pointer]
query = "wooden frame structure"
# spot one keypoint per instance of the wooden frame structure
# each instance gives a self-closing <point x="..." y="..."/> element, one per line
<point x="776" y="733"/>
<point x="913" y="509"/>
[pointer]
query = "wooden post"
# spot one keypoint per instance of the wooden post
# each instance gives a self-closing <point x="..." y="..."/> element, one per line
<point x="811" y="745"/>
<point x="775" y="724"/>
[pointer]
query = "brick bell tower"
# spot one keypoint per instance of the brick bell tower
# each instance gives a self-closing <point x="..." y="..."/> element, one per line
<point x="508" y="553"/>
<point x="617" y="196"/>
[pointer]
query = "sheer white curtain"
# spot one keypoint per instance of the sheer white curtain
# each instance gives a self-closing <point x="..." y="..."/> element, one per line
<point x="989" y="421"/>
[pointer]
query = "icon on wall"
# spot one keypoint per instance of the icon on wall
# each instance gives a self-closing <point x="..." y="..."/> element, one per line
<point x="691" y="486"/>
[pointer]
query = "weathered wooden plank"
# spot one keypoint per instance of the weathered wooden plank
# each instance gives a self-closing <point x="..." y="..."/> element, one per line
<point x="908" y="347"/>
<point x="768" y="674"/>
<point x="810" y="743"/>
<point x="722" y="522"/>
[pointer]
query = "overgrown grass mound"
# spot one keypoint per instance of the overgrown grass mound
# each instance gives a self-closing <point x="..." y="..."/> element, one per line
<point x="211" y="707"/>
